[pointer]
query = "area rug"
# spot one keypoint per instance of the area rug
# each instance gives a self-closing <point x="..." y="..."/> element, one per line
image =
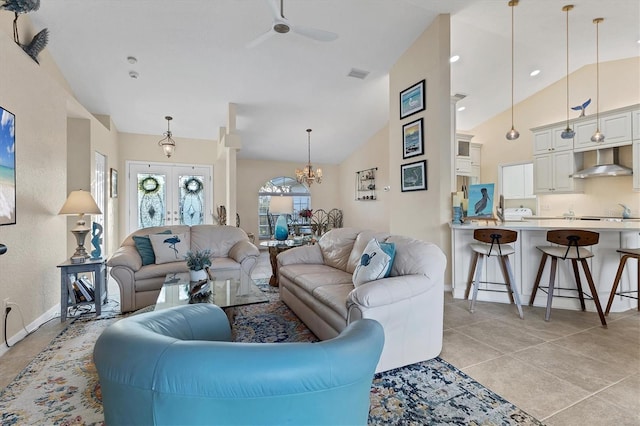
<point x="60" y="386"/>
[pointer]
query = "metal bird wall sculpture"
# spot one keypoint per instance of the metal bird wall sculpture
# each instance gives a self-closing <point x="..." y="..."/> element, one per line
<point x="582" y="107"/>
<point x="38" y="43"/>
<point x="19" y="7"/>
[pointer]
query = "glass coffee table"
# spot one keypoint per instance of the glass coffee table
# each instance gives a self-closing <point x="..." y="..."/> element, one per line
<point x="228" y="289"/>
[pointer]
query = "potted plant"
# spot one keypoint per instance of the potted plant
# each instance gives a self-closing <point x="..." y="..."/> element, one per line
<point x="197" y="261"/>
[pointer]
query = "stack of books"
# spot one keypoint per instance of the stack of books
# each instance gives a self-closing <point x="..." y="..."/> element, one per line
<point x="80" y="290"/>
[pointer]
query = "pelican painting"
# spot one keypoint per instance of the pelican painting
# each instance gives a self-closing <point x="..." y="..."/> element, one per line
<point x="481" y="200"/>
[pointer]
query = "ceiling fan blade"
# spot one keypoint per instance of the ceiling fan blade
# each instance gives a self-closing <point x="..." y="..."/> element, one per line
<point x="261" y="38"/>
<point x="274" y="6"/>
<point x="314" y="33"/>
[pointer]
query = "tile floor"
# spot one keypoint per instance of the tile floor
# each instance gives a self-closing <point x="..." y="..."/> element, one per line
<point x="569" y="371"/>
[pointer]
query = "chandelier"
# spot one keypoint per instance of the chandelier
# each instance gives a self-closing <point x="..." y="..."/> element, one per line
<point x="308" y="175"/>
<point x="168" y="144"/>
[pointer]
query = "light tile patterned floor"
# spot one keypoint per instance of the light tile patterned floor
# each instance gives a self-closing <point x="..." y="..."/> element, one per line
<point x="569" y="371"/>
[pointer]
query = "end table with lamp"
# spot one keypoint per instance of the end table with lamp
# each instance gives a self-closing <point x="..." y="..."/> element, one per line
<point x="81" y="203"/>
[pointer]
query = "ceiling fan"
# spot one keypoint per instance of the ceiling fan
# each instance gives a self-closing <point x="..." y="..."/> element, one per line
<point x="282" y="25"/>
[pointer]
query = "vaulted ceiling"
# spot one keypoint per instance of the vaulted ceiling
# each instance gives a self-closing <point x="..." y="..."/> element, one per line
<point x="193" y="59"/>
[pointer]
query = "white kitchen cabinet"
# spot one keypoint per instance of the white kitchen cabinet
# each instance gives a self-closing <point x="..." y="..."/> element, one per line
<point x="517" y="181"/>
<point x="463" y="154"/>
<point x="552" y="173"/>
<point x="463" y="166"/>
<point x="635" y="125"/>
<point x="636" y="165"/>
<point x="617" y="130"/>
<point x="549" y="140"/>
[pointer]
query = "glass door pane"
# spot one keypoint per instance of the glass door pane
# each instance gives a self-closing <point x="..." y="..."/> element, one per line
<point x="192" y="207"/>
<point x="152" y="199"/>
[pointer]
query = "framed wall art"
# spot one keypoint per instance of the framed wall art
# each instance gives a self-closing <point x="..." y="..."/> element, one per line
<point x="113" y="181"/>
<point x="412" y="99"/>
<point x="481" y="200"/>
<point x="413" y="176"/>
<point x="412" y="139"/>
<point x="7" y="167"/>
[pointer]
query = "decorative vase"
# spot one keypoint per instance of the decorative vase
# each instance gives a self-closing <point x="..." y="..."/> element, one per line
<point x="282" y="230"/>
<point x="457" y="215"/>
<point x="198" y="275"/>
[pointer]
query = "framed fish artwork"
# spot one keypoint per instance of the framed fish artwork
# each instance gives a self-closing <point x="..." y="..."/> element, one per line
<point x="481" y="200"/>
<point x="412" y="99"/>
<point x="7" y="167"/>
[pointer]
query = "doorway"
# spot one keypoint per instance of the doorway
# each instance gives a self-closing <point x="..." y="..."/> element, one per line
<point x="161" y="194"/>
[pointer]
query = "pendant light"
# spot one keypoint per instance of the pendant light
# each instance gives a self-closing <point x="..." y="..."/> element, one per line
<point x="568" y="133"/>
<point x="307" y="174"/>
<point x="512" y="134"/>
<point x="168" y="144"/>
<point x="597" y="136"/>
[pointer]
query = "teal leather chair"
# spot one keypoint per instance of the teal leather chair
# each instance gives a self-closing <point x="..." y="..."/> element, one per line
<point x="178" y="367"/>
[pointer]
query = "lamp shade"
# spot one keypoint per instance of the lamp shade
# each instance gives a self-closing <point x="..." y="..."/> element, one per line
<point x="80" y="202"/>
<point x="281" y="205"/>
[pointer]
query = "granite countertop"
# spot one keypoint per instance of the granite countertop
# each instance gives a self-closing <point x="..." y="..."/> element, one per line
<point x="542" y="224"/>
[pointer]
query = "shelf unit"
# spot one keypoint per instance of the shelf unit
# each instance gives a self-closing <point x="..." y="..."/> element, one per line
<point x="366" y="184"/>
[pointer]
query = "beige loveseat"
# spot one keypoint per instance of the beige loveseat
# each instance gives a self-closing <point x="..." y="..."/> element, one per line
<point x="316" y="283"/>
<point x="140" y="284"/>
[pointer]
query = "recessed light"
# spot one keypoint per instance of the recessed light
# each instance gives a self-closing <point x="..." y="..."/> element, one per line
<point x="534" y="73"/>
<point x="133" y="74"/>
<point x="462" y="108"/>
<point x="132" y="59"/>
<point x="454" y="58"/>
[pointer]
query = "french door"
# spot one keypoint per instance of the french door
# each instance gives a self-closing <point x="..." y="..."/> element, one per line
<point x="162" y="194"/>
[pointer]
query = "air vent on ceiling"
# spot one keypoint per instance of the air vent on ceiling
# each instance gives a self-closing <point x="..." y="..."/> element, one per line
<point x="356" y="73"/>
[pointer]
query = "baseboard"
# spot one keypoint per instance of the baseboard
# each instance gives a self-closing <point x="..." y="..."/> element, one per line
<point x="53" y="312"/>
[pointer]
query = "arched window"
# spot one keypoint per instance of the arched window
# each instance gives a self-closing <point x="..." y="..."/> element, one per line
<point x="288" y="187"/>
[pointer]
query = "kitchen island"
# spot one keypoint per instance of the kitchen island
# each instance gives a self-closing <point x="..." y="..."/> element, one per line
<point x="526" y="260"/>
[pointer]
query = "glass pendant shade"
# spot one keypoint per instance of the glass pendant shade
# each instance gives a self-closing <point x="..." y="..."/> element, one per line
<point x="512" y="134"/>
<point x="597" y="136"/>
<point x="567" y="133"/>
<point x="167" y="144"/>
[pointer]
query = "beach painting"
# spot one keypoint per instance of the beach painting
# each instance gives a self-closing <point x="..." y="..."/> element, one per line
<point x="481" y="200"/>
<point x="7" y="167"/>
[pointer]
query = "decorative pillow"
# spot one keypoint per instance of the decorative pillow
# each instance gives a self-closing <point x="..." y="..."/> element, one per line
<point x="375" y="262"/>
<point x="170" y="248"/>
<point x="143" y="245"/>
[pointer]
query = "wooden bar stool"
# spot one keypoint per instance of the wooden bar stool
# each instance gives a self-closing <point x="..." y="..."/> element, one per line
<point x="493" y="241"/>
<point x="574" y="240"/>
<point x="626" y="254"/>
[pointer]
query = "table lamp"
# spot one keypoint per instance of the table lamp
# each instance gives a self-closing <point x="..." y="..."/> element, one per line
<point x="283" y="206"/>
<point x="80" y="202"/>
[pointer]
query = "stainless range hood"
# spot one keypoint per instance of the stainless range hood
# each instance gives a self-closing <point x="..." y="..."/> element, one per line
<point x="606" y="165"/>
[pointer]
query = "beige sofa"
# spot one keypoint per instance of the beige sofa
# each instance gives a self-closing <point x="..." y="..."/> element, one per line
<point x="140" y="285"/>
<point x="316" y="283"/>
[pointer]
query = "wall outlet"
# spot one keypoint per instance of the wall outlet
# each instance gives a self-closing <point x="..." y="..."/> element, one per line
<point x="5" y="303"/>
<point x="545" y="207"/>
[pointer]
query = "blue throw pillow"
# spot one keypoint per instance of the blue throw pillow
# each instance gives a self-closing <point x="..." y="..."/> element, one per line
<point x="390" y="249"/>
<point x="375" y="262"/>
<point x="143" y="245"/>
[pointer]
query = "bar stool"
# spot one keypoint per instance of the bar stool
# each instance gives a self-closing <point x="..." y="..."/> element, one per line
<point x="574" y="240"/>
<point x="493" y="241"/>
<point x="626" y="254"/>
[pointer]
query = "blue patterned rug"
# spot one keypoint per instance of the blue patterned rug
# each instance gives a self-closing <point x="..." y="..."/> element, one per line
<point x="427" y="393"/>
<point x="60" y="386"/>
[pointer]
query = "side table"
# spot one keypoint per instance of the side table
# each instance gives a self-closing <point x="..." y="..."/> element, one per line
<point x="99" y="270"/>
<point x="276" y="247"/>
